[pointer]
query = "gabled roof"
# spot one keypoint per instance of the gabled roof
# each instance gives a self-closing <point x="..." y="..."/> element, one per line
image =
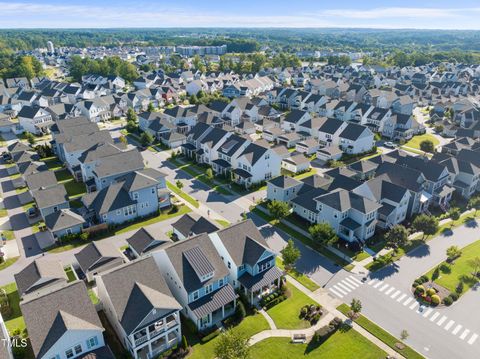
<point x="244" y="242"/>
<point x="253" y="153"/>
<point x="97" y="254"/>
<point x="343" y="200"/>
<point x="119" y="163"/>
<point x="284" y="181"/>
<point x="39" y="274"/>
<point x="143" y="241"/>
<point x="43" y="179"/>
<point x="63" y="219"/>
<point x="108" y="199"/>
<point x="49" y="197"/>
<point x="135" y="289"/>
<point x="48" y="317"/>
<point x="190" y="224"/>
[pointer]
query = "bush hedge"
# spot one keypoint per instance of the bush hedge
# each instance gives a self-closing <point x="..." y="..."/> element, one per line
<point x="322" y="334"/>
<point x="210" y="336"/>
<point x="436" y="299"/>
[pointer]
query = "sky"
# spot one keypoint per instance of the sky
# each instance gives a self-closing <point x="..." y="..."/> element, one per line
<point x="426" y="14"/>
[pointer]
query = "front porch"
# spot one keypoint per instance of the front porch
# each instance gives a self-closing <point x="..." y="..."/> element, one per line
<point x="242" y="177"/>
<point x="255" y="287"/>
<point x="221" y="167"/>
<point x="214" y="307"/>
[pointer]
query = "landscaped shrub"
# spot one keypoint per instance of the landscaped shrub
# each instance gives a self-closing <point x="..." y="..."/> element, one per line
<point x="240" y="311"/>
<point x="420" y="290"/>
<point x="454" y="296"/>
<point x="431" y="291"/>
<point x="210" y="336"/>
<point x="447" y="301"/>
<point x="459" y="288"/>
<point x="435" y="299"/>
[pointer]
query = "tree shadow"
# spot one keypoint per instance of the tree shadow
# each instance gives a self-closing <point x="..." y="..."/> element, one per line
<point x="447" y="232"/>
<point x="471" y="222"/>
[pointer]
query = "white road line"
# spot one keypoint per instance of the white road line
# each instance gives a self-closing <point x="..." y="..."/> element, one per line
<point x="464" y="334"/>
<point x="335" y="292"/>
<point x="352" y="282"/>
<point x="394" y="295"/>
<point x="457" y="329"/>
<point x="348" y="285"/>
<point x="340" y="290"/>
<point x="379" y="283"/>
<point x="434" y="316"/>
<point x="409" y="299"/>
<point x="401" y="297"/>
<point x="442" y="319"/>
<point x="427" y="312"/>
<point x="413" y="305"/>
<point x="372" y="281"/>
<point x="344" y="287"/>
<point x="473" y="338"/>
<point x="384" y="287"/>
<point x="355" y="279"/>
<point x="389" y="291"/>
<point x="449" y="325"/>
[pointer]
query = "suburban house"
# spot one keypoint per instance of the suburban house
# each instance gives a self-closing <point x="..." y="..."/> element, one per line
<point x="51" y="199"/>
<point x="39" y="276"/>
<point x="249" y="259"/>
<point x="198" y="279"/>
<point x="144" y="241"/>
<point x="35" y="120"/>
<point x="6" y="347"/>
<point x="98" y="257"/>
<point x="64" y="324"/>
<point x="64" y="222"/>
<point x="190" y="225"/>
<point x="140" y="306"/>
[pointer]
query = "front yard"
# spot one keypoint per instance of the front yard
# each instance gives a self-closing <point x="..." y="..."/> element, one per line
<point x="344" y="344"/>
<point x="300" y="277"/>
<point x="449" y="275"/>
<point x="249" y="326"/>
<point x="286" y="314"/>
<point x="13" y="320"/>
<point x="416" y="140"/>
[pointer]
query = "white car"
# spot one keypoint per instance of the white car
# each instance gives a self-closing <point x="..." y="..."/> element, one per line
<point x="389" y="144"/>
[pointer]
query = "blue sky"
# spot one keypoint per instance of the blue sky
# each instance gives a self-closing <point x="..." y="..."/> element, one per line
<point x="427" y="14"/>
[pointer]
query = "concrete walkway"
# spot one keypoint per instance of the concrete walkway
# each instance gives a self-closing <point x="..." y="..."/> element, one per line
<point x="330" y="304"/>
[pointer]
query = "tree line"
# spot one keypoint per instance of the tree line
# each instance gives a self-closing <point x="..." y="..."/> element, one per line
<point x="109" y="66"/>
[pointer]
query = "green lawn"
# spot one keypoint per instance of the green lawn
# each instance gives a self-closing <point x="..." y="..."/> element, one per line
<point x="14" y="320"/>
<point x="286" y="314"/>
<point x="300" y="277"/>
<point x="251" y="325"/>
<point x="75" y="189"/>
<point x="3" y="212"/>
<point x="27" y="206"/>
<point x="93" y="297"/>
<point x="63" y="175"/>
<point x="8" y="262"/>
<point x="382" y="334"/>
<point x="416" y="140"/>
<point x="459" y="271"/>
<point x="36" y="226"/>
<point x="21" y="190"/>
<point x="344" y="344"/>
<point x="8" y="234"/>
<point x="223" y="223"/>
<point x="53" y="163"/>
<point x="182" y="194"/>
<point x="70" y="275"/>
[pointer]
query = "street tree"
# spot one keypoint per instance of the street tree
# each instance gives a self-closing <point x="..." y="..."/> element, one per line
<point x="323" y="233"/>
<point x="397" y="237"/>
<point x="179" y="184"/>
<point x="453" y="252"/>
<point x="290" y="255"/>
<point x="404" y="334"/>
<point x="427" y="146"/>
<point x="278" y="209"/>
<point x="131" y="115"/>
<point x="474" y="263"/>
<point x="146" y="139"/>
<point x="454" y="213"/>
<point x="474" y="203"/>
<point x="232" y="345"/>
<point x="426" y="224"/>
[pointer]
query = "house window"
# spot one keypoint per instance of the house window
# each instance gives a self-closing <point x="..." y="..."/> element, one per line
<point x="220" y="282"/>
<point x="69" y="353"/>
<point x="229" y="265"/>
<point x="242" y="267"/>
<point x="119" y="212"/>
<point x="105" y="217"/>
<point x="195" y="295"/>
<point x="68" y="231"/>
<point x="208" y="289"/>
<point x="135" y="195"/>
<point x="153" y="190"/>
<point x="78" y="349"/>
<point x="92" y="342"/>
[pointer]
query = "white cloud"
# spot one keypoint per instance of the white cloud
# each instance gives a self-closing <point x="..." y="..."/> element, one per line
<point x="147" y="15"/>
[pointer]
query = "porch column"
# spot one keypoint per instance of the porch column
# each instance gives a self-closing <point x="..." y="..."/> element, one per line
<point x="149" y="347"/>
<point x="223" y="311"/>
<point x="251" y="297"/>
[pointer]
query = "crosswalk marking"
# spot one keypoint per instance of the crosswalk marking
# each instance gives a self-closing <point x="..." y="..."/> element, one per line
<point x="355" y="279"/>
<point x="464" y="334"/>
<point x="399" y="299"/>
<point x="335" y="292"/>
<point x="384" y="287"/>
<point x="442" y="319"/>
<point x="389" y="291"/>
<point x="340" y="290"/>
<point x="352" y="282"/>
<point x="457" y="329"/>
<point x="449" y="325"/>
<point x="427" y="312"/>
<point x="413" y="305"/>
<point x="372" y="281"/>
<point x="344" y="287"/>
<point x="348" y="285"/>
<point x="434" y="316"/>
<point x="394" y="295"/>
<point x="409" y="299"/>
<point x="379" y="283"/>
<point x="472" y="339"/>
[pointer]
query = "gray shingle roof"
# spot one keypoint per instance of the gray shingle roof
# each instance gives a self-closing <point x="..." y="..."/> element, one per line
<point x="135" y="289"/>
<point x="50" y="316"/>
<point x="63" y="219"/>
<point x="213" y="301"/>
<point x="97" y="254"/>
<point x="143" y="241"/>
<point x="108" y="199"/>
<point x="284" y="181"/>
<point x="191" y="224"/>
<point x="51" y="196"/>
<point x="254" y="283"/>
<point x="41" y="179"/>
<point x="39" y="274"/>
<point x="119" y="163"/>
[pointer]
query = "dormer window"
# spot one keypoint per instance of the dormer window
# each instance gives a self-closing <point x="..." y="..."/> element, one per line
<point x="208" y="289"/>
<point x="206" y="277"/>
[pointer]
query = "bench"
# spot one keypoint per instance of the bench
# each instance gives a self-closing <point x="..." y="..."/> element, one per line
<point x="299" y="338"/>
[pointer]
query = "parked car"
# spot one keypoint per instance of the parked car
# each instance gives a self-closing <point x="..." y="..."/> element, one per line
<point x="32" y="212"/>
<point x="389" y="144"/>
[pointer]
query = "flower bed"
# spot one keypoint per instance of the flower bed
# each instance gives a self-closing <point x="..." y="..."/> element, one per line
<point x="272" y="299"/>
<point x="312" y="313"/>
<point x="431" y="294"/>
